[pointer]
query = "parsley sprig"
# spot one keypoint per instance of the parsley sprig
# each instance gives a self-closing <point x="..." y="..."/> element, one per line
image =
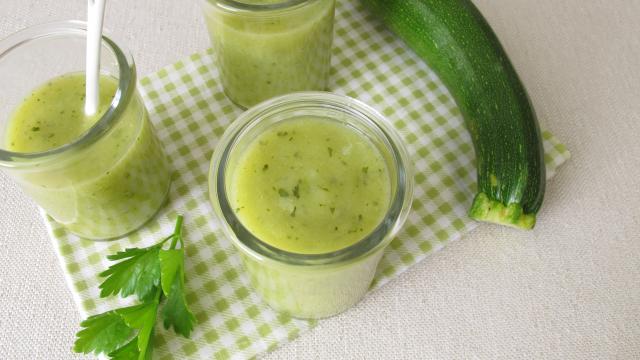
<point x="150" y="273"/>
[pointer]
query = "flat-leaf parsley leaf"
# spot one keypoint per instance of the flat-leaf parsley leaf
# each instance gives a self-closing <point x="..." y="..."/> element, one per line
<point x="138" y="273"/>
<point x="105" y="332"/>
<point x="176" y="313"/>
<point x="127" y="333"/>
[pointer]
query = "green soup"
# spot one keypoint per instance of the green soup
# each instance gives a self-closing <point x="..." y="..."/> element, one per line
<point x="310" y="186"/>
<point x="102" y="189"/>
<point x="265" y="53"/>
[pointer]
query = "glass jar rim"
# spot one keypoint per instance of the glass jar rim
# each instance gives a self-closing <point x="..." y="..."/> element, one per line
<point x="397" y="211"/>
<point x="124" y="91"/>
<point x="239" y="6"/>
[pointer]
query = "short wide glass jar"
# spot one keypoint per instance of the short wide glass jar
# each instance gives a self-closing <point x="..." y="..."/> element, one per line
<point x="311" y="187"/>
<point x="102" y="176"/>
<point x="266" y="48"/>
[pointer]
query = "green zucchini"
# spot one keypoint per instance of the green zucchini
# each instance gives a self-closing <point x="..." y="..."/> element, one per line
<point x="459" y="45"/>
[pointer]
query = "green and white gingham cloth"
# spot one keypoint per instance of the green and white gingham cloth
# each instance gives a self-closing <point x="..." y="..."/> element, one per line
<point x="190" y="112"/>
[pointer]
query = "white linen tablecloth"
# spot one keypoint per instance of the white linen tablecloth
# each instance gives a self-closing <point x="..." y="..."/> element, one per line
<point x="570" y="289"/>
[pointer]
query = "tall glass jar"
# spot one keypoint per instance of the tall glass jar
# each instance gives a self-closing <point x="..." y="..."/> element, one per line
<point x="112" y="178"/>
<point x="266" y="48"/>
<point x="310" y="285"/>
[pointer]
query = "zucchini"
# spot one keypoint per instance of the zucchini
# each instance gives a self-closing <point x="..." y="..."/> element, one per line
<point x="456" y="41"/>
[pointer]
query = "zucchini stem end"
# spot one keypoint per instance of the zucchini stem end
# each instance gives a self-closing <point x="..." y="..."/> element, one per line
<point x="494" y="211"/>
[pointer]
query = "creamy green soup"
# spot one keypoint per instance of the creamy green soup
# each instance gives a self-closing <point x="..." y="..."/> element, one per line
<point x="310" y="186"/>
<point x="262" y="54"/>
<point x="104" y="189"/>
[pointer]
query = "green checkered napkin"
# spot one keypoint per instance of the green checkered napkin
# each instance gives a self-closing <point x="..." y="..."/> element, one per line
<point x="190" y="112"/>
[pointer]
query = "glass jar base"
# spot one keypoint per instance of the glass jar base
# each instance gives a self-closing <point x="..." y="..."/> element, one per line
<point x="306" y="315"/>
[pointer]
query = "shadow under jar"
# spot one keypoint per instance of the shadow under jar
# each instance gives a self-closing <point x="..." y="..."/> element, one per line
<point x="311" y="187"/>
<point x="266" y="48"/>
<point x="100" y="176"/>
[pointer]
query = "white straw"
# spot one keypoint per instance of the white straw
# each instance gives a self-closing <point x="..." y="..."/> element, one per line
<point x="95" y="15"/>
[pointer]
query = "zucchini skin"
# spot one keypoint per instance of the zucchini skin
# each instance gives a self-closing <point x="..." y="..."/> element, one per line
<point x="456" y="41"/>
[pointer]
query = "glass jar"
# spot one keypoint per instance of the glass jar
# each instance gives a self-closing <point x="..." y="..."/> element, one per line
<point x="311" y="285"/>
<point x="266" y="48"/>
<point x="115" y="176"/>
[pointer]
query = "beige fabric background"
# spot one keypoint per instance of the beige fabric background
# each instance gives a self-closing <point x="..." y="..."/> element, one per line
<point x="568" y="290"/>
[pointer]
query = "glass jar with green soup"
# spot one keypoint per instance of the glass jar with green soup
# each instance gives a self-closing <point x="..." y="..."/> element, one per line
<point x="101" y="176"/>
<point x="310" y="188"/>
<point x="266" y="48"/>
